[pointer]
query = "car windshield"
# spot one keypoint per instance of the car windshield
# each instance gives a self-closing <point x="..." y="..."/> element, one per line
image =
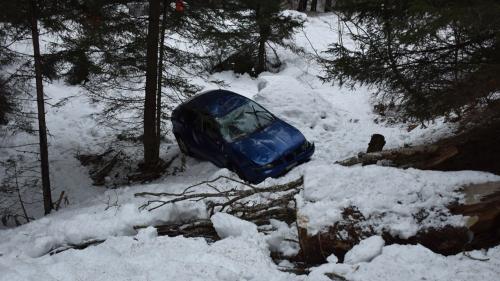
<point x="244" y="120"/>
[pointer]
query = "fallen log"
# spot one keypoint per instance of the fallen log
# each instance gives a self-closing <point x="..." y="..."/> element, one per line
<point x="421" y="157"/>
<point x="195" y="228"/>
<point x="482" y="229"/>
<point x="475" y="147"/>
<point x="482" y="206"/>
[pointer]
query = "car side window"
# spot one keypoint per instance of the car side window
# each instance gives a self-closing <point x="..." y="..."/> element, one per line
<point x="210" y="128"/>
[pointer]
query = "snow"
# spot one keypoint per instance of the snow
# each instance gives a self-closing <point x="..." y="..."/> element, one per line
<point x="230" y="226"/>
<point x="162" y="258"/>
<point x="340" y="121"/>
<point x="281" y="240"/>
<point x="415" y="262"/>
<point x="365" y="251"/>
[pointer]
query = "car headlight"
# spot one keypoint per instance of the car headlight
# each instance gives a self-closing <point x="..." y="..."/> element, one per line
<point x="266" y="167"/>
<point x="306" y="145"/>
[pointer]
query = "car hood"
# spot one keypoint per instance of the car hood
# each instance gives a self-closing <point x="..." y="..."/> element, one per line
<point x="269" y="144"/>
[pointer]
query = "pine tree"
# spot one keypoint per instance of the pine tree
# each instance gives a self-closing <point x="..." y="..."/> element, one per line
<point x="150" y="140"/>
<point x="42" y="127"/>
<point x="20" y="21"/>
<point x="432" y="58"/>
<point x="107" y="54"/>
<point x="256" y="26"/>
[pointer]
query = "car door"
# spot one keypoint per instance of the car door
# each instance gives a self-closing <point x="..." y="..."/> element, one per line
<point x="188" y="120"/>
<point x="209" y="140"/>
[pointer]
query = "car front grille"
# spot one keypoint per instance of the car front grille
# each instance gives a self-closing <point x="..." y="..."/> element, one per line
<point x="292" y="155"/>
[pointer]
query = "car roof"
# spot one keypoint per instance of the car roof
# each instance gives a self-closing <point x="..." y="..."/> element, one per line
<point x="216" y="102"/>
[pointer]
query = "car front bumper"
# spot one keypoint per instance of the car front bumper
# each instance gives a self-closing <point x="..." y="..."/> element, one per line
<point x="260" y="174"/>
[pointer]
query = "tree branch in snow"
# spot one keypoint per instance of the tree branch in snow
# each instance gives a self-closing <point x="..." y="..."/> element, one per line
<point x="273" y="202"/>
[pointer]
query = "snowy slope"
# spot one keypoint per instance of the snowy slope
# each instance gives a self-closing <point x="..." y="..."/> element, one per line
<point x="339" y="121"/>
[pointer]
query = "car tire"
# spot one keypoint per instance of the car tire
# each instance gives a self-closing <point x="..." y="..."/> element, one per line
<point x="237" y="171"/>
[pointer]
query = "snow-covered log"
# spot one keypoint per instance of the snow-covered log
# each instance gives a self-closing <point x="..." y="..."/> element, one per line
<point x="481" y="209"/>
<point x="423" y="156"/>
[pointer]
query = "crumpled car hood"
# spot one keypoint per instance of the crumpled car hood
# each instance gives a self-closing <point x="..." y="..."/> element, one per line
<point x="269" y="144"/>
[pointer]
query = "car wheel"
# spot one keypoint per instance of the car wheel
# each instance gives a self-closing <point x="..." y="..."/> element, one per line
<point x="236" y="170"/>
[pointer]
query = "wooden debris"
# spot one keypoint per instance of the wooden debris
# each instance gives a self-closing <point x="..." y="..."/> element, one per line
<point x="275" y="202"/>
<point x="237" y="202"/>
<point x="338" y="239"/>
<point x="376" y="144"/>
<point x="80" y="246"/>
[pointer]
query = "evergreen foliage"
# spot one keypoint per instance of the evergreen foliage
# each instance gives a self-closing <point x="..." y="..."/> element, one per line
<point x="256" y="26"/>
<point x="432" y="58"/>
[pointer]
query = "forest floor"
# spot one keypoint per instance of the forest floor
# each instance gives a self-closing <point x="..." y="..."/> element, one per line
<point x="338" y="120"/>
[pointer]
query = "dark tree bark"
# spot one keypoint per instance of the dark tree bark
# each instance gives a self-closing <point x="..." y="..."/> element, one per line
<point x="261" y="62"/>
<point x="160" y="75"/>
<point x="328" y="5"/>
<point x="42" y="127"/>
<point x="151" y="145"/>
<point x="264" y="31"/>
<point x="314" y="5"/>
<point x="302" y="6"/>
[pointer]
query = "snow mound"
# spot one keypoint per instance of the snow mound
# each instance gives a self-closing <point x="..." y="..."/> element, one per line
<point x="365" y="251"/>
<point x="230" y="226"/>
<point x="289" y="99"/>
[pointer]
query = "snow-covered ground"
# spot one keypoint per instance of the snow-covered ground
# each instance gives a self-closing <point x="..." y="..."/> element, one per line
<point x="339" y="121"/>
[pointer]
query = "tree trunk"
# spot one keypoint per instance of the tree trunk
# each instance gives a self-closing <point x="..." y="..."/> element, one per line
<point x="261" y="59"/>
<point x="314" y="5"/>
<point x="302" y="6"/>
<point x="160" y="76"/>
<point x="42" y="127"/>
<point x="264" y="31"/>
<point x="328" y="5"/>
<point x="151" y="149"/>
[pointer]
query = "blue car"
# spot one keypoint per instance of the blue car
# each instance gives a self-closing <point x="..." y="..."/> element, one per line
<point x="235" y="132"/>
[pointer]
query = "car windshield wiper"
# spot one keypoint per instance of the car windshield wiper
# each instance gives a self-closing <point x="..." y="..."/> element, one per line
<point x="262" y="113"/>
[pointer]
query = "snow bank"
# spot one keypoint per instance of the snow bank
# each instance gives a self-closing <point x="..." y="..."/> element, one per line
<point x="97" y="220"/>
<point x="162" y="258"/>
